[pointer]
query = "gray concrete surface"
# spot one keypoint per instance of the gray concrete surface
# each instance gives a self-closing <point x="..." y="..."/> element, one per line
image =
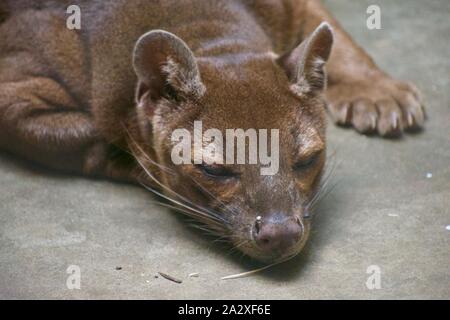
<point x="384" y="210"/>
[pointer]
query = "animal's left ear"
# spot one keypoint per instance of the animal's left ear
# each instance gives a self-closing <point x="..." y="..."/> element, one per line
<point x="165" y="67"/>
<point x="305" y="64"/>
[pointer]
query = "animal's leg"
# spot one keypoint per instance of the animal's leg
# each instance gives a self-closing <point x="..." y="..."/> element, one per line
<point x="359" y="93"/>
<point x="40" y="121"/>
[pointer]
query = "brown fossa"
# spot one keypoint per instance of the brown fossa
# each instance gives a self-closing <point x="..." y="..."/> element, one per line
<point x="104" y="100"/>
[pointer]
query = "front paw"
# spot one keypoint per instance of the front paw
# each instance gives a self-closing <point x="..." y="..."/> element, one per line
<point x="381" y="105"/>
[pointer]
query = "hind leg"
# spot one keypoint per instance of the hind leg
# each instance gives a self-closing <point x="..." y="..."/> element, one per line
<point x="40" y="121"/>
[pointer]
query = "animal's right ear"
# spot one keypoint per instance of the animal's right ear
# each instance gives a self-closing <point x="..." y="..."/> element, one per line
<point x="165" y="67"/>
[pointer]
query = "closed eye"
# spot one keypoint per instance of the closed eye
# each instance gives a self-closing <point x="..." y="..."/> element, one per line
<point x="217" y="171"/>
<point x="306" y="163"/>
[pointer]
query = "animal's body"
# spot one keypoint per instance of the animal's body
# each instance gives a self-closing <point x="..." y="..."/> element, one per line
<point x="99" y="102"/>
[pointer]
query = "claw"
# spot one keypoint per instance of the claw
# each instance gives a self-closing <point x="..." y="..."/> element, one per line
<point x="373" y="122"/>
<point x="347" y="114"/>
<point x="394" y="121"/>
<point x="409" y="118"/>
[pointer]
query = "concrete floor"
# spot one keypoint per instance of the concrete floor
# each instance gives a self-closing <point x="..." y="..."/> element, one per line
<point x="384" y="210"/>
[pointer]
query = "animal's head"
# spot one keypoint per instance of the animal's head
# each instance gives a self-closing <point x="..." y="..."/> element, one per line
<point x="263" y="211"/>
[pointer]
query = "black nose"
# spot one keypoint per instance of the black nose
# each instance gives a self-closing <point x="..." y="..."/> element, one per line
<point x="277" y="233"/>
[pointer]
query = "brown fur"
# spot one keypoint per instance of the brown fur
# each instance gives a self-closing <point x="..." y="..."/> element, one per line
<point x="72" y="100"/>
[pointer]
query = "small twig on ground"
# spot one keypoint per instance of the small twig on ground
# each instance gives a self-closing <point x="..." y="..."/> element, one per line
<point x="170" y="278"/>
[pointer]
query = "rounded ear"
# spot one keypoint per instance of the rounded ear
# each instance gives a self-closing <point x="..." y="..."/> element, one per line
<point x="165" y="67"/>
<point x="305" y="64"/>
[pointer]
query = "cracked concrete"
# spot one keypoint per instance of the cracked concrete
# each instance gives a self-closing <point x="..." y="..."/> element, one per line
<point x="384" y="211"/>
